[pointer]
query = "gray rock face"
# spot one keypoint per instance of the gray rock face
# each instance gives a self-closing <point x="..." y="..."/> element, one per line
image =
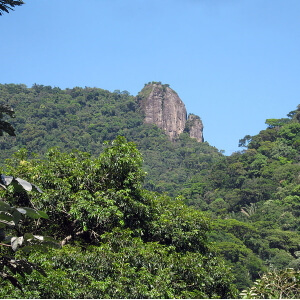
<point x="163" y="107"/>
<point x="195" y="127"/>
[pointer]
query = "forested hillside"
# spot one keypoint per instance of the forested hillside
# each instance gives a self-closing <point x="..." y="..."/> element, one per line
<point x="119" y="240"/>
<point x="83" y="118"/>
<point x="254" y="197"/>
<point x="106" y="202"/>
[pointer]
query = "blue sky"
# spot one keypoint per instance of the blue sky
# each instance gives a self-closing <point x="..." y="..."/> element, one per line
<point x="234" y="63"/>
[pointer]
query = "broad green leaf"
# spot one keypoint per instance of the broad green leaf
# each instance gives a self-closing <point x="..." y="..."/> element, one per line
<point x="6" y="179"/>
<point x="21" y="210"/>
<point x="51" y="242"/>
<point x="36" y="188"/>
<point x="32" y="213"/>
<point x="16" y="242"/>
<point x="34" y="247"/>
<point x="43" y="214"/>
<point x="39" y="237"/>
<point x="25" y="184"/>
<point x="5" y="216"/>
<point x="17" y="216"/>
<point x="7" y="127"/>
<point x="40" y="270"/>
<point x="4" y="206"/>
<point x="17" y="183"/>
<point x="28" y="236"/>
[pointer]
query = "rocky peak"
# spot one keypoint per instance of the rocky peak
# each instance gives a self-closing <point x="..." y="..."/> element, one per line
<point x="194" y="127"/>
<point x="162" y="106"/>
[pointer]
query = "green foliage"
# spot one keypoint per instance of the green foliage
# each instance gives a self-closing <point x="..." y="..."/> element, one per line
<point x="123" y="266"/>
<point x="7" y="5"/>
<point x="259" y="188"/>
<point x="252" y="195"/>
<point x="11" y="222"/>
<point x="122" y="162"/>
<point x="180" y="226"/>
<point x="83" y="118"/>
<point x="234" y="241"/>
<point x="284" y="284"/>
<point x="148" y="245"/>
<point x="277" y="122"/>
<point x="5" y="126"/>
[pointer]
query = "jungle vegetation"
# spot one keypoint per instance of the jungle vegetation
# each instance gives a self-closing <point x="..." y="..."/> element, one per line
<point x="139" y="216"/>
<point x="8" y="5"/>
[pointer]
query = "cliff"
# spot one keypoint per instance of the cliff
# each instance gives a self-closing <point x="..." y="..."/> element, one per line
<point x="162" y="106"/>
<point x="194" y="127"/>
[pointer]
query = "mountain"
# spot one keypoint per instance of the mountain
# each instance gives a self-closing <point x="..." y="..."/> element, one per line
<point x="162" y="106"/>
<point x="83" y="118"/>
<point x="252" y="196"/>
<point x="194" y="127"/>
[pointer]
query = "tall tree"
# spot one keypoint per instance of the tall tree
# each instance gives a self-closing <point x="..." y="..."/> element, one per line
<point x="12" y="218"/>
<point x="7" y="5"/>
<point x="5" y="126"/>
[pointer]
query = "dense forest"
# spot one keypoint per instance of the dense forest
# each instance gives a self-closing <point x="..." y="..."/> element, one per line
<point x="139" y="216"/>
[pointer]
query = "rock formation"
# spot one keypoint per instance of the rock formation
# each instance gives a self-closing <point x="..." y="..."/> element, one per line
<point x="163" y="107"/>
<point x="194" y="127"/>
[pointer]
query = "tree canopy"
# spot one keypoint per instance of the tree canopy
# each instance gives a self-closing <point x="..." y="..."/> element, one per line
<point x="182" y="199"/>
<point x="8" y="5"/>
<point x="113" y="231"/>
<point x="6" y="126"/>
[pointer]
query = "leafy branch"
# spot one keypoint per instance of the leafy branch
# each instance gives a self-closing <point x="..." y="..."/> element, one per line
<point x="7" y="5"/>
<point x="10" y="219"/>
